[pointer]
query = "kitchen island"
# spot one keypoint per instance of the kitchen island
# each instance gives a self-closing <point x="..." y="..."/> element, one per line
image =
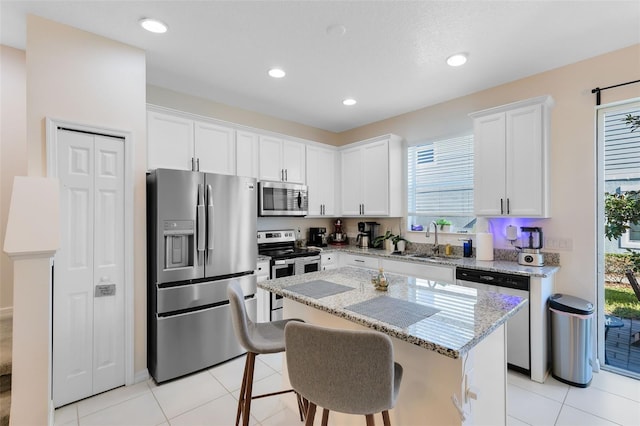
<point x="449" y="339"/>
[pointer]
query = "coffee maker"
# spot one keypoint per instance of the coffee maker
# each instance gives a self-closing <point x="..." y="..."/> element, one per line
<point x="338" y="237"/>
<point x="531" y="245"/>
<point x="362" y="240"/>
<point x="317" y="237"/>
<point x="367" y="232"/>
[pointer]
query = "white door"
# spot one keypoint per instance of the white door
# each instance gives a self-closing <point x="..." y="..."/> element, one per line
<point x="215" y="147"/>
<point x="293" y="161"/>
<point x="351" y="166"/>
<point x="88" y="289"/>
<point x="169" y="142"/>
<point x="525" y="162"/>
<point x="321" y="181"/>
<point x="271" y="159"/>
<point x="375" y="181"/>
<point x="247" y="153"/>
<point x="489" y="163"/>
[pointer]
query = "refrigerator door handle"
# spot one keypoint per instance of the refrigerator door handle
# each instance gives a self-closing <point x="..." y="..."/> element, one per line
<point x="200" y="217"/>
<point x="210" y="218"/>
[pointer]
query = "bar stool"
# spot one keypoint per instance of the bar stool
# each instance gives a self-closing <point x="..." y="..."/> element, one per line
<point x="256" y="338"/>
<point x="342" y="370"/>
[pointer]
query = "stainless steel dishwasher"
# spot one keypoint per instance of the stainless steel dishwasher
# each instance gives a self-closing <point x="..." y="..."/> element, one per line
<point x="518" y="344"/>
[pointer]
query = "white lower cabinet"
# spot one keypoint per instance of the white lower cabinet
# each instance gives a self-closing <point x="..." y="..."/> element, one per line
<point x="440" y="273"/>
<point x="262" y="274"/>
<point x="368" y="262"/>
<point x="328" y="261"/>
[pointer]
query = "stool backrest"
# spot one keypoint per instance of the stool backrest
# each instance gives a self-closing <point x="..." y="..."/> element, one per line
<point x="341" y="370"/>
<point x="240" y="319"/>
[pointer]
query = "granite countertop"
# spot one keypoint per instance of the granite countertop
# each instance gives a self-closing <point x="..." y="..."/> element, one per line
<point x="464" y="262"/>
<point x="465" y="315"/>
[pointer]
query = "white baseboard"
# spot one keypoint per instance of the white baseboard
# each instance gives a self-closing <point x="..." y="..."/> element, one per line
<point x="141" y="376"/>
<point x="6" y="312"/>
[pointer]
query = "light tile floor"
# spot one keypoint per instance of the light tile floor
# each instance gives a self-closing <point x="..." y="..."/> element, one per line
<point x="210" y="398"/>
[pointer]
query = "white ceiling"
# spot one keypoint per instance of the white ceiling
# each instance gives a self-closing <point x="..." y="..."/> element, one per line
<point x="391" y="58"/>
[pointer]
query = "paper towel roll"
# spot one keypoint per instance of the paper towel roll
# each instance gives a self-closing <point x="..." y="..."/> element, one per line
<point x="484" y="246"/>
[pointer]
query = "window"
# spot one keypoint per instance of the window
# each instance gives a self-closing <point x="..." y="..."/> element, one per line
<point x="440" y="182"/>
<point x="622" y="166"/>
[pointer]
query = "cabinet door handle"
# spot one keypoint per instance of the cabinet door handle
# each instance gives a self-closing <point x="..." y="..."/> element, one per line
<point x="358" y="260"/>
<point x="286" y="175"/>
<point x="281" y="174"/>
<point x="501" y="206"/>
<point x="508" y="207"/>
<point x="197" y="164"/>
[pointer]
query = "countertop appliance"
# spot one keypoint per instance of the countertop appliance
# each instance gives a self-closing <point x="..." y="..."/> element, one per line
<point x="286" y="260"/>
<point x="518" y="342"/>
<point x="317" y="237"/>
<point x="531" y="244"/>
<point x="283" y="199"/>
<point x="338" y="237"/>
<point x="201" y="236"/>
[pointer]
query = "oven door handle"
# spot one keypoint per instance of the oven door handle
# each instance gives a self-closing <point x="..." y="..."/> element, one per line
<point x="283" y="262"/>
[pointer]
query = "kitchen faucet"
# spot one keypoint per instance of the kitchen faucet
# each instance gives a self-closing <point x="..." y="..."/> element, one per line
<point x="436" y="247"/>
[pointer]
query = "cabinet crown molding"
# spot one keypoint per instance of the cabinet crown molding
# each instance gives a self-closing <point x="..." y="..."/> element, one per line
<point x="545" y="100"/>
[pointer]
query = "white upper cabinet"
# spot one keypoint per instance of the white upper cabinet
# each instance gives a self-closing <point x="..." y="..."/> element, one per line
<point x="371" y="173"/>
<point x="215" y="148"/>
<point x="511" y="159"/>
<point x="282" y="160"/>
<point x="170" y="141"/>
<point x="247" y="154"/>
<point x="180" y="143"/>
<point x="321" y="179"/>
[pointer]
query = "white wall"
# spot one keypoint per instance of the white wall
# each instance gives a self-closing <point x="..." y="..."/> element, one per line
<point x="13" y="150"/>
<point x="79" y="77"/>
<point x="572" y="153"/>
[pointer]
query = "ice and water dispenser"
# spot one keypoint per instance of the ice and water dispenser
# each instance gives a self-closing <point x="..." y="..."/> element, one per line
<point x="178" y="243"/>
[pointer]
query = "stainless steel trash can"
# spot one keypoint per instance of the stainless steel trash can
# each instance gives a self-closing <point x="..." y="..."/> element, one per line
<point x="571" y="346"/>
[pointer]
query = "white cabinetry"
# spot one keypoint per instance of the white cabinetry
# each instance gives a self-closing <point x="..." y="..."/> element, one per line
<point x="247" y="154"/>
<point x="176" y="142"/>
<point x="367" y="262"/>
<point x="321" y="179"/>
<point x="328" y="261"/>
<point x="170" y="141"/>
<point x="439" y="273"/>
<point x="281" y="160"/>
<point x="511" y="159"/>
<point x="215" y="148"/>
<point x="371" y="173"/>
<point x="262" y="274"/>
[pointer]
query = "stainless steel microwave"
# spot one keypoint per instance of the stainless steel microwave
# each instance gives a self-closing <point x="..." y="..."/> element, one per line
<point x="283" y="199"/>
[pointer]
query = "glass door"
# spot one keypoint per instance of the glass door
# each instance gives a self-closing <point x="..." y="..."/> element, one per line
<point x="618" y="135"/>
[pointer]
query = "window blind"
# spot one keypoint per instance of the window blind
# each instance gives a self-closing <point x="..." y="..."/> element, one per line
<point x="622" y="147"/>
<point x="440" y="178"/>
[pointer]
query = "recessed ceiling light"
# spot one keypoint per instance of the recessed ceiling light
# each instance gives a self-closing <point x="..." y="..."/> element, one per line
<point x="457" y="59"/>
<point x="349" y="102"/>
<point x="336" y="31"/>
<point x="153" y="25"/>
<point x="277" y="73"/>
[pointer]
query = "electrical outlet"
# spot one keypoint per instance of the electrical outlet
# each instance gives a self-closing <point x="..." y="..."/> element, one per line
<point x="565" y="244"/>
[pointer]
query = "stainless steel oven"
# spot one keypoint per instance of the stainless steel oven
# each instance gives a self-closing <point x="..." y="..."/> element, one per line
<point x="286" y="260"/>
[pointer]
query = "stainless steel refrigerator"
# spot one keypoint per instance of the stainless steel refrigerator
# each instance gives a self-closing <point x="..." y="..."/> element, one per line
<point x="201" y="235"/>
